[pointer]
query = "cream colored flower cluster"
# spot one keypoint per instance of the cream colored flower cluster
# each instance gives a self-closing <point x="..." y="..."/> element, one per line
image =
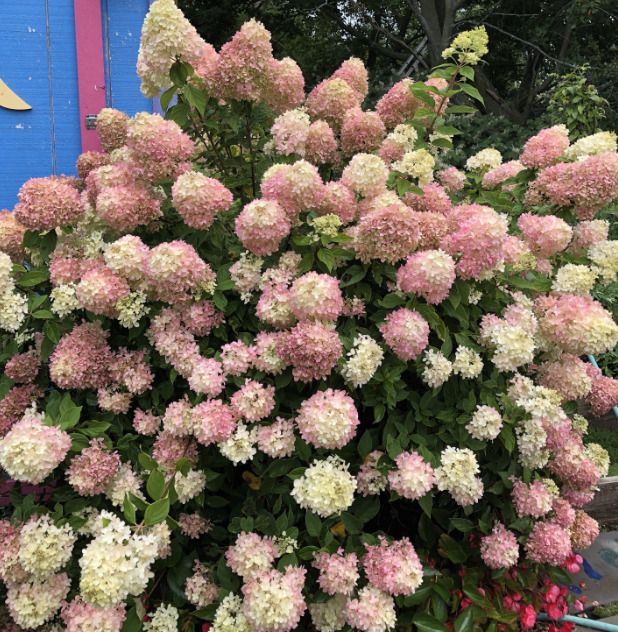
<point x="326" y="488"/>
<point x="116" y="563"/>
<point x="485" y="159"/>
<point x="469" y="47"/>
<point x="363" y="361"/>
<point x="457" y="475"/>
<point x="13" y="304"/>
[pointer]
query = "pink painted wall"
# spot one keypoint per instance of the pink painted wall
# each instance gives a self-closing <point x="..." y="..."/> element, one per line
<point x="90" y="66"/>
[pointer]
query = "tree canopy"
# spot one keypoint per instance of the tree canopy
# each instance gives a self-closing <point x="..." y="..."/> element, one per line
<point x="532" y="42"/>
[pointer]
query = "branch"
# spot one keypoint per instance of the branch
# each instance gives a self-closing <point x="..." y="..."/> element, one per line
<point x="530" y="44"/>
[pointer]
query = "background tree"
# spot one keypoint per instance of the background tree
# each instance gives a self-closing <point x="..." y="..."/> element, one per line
<point x="532" y="42"/>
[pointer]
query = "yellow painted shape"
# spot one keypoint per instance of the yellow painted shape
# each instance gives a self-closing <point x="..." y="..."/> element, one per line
<point x="9" y="100"/>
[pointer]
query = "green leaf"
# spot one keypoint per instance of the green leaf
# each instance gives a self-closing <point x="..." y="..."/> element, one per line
<point x="42" y="314"/>
<point x="426" y="503"/>
<point x="146" y="461"/>
<point x="327" y="258"/>
<point x="471" y="91"/>
<point x="157" y="512"/>
<point x="467" y="72"/>
<point x="180" y="72"/>
<point x="352" y="275"/>
<point x="365" y="445"/>
<point x="70" y="418"/>
<point x="195" y="97"/>
<point x="463" y="623"/>
<point x="155" y="484"/>
<point x="166" y="97"/>
<point x="451" y="549"/>
<point x="33" y="277"/>
<point x="132" y="623"/>
<point x="313" y="524"/>
<point x="462" y="524"/>
<point x="426" y="623"/>
<point x="352" y="523"/>
<point x="462" y="109"/>
<point x="129" y="510"/>
<point x="392" y="300"/>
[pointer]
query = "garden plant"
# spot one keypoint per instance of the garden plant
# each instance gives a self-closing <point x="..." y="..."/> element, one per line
<point x="271" y="365"/>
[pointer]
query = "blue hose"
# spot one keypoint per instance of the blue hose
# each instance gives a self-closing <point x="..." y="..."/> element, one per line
<point x="585" y="623"/>
<point x="593" y="361"/>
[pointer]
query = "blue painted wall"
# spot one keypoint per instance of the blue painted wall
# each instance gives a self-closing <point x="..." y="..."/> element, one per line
<point x="37" y="61"/>
<point x="122" y="25"/>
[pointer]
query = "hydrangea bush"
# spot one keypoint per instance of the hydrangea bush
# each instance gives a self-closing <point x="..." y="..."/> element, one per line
<point x="271" y="365"/>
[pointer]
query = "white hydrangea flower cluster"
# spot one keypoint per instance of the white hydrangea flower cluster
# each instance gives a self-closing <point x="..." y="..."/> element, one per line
<point x="469" y="47"/>
<point x="486" y="423"/>
<point x="457" y="475"/>
<point x="574" y="279"/>
<point x="125" y="481"/>
<point x="13" y="304"/>
<point x="164" y="619"/>
<point x="417" y="164"/>
<point x="34" y="602"/>
<point x="116" y="563"/>
<point x="467" y="363"/>
<point x="326" y="488"/>
<point x="327" y="225"/>
<point x="404" y="135"/>
<point x="45" y="548"/>
<point x="240" y="447"/>
<point x="437" y="368"/>
<point x="598" y="143"/>
<point x="364" y="359"/>
<point x="246" y="274"/>
<point x="166" y="35"/>
<point x="485" y="159"/>
<point x="64" y="299"/>
<point x="604" y="255"/>
<point x="131" y="309"/>
<point x="513" y="345"/>
<point x="599" y="456"/>
<point x="190" y="485"/>
<point x="329" y="616"/>
<point x="229" y="616"/>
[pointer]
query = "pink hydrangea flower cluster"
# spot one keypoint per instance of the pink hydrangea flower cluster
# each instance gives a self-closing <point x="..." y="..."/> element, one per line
<point x="499" y="549"/>
<point x="406" y="332"/>
<point x="387" y="234"/>
<point x="261" y="226"/>
<point x="478" y="236"/>
<point x="213" y="421"/>
<point x="587" y="185"/>
<point x="198" y="199"/>
<point x="338" y="572"/>
<point x="81" y="359"/>
<point x="532" y="500"/>
<point x="328" y="419"/>
<point x="548" y="543"/>
<point x="311" y="349"/>
<point x="545" y="148"/>
<point x="253" y="401"/>
<point x="413" y="477"/>
<point x="393" y="567"/>
<point x="315" y="296"/>
<point x="546" y="235"/>
<point x="429" y="273"/>
<point x="577" y="324"/>
<point x="79" y="615"/>
<point x="46" y="203"/>
<point x="434" y="199"/>
<point x="93" y="469"/>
